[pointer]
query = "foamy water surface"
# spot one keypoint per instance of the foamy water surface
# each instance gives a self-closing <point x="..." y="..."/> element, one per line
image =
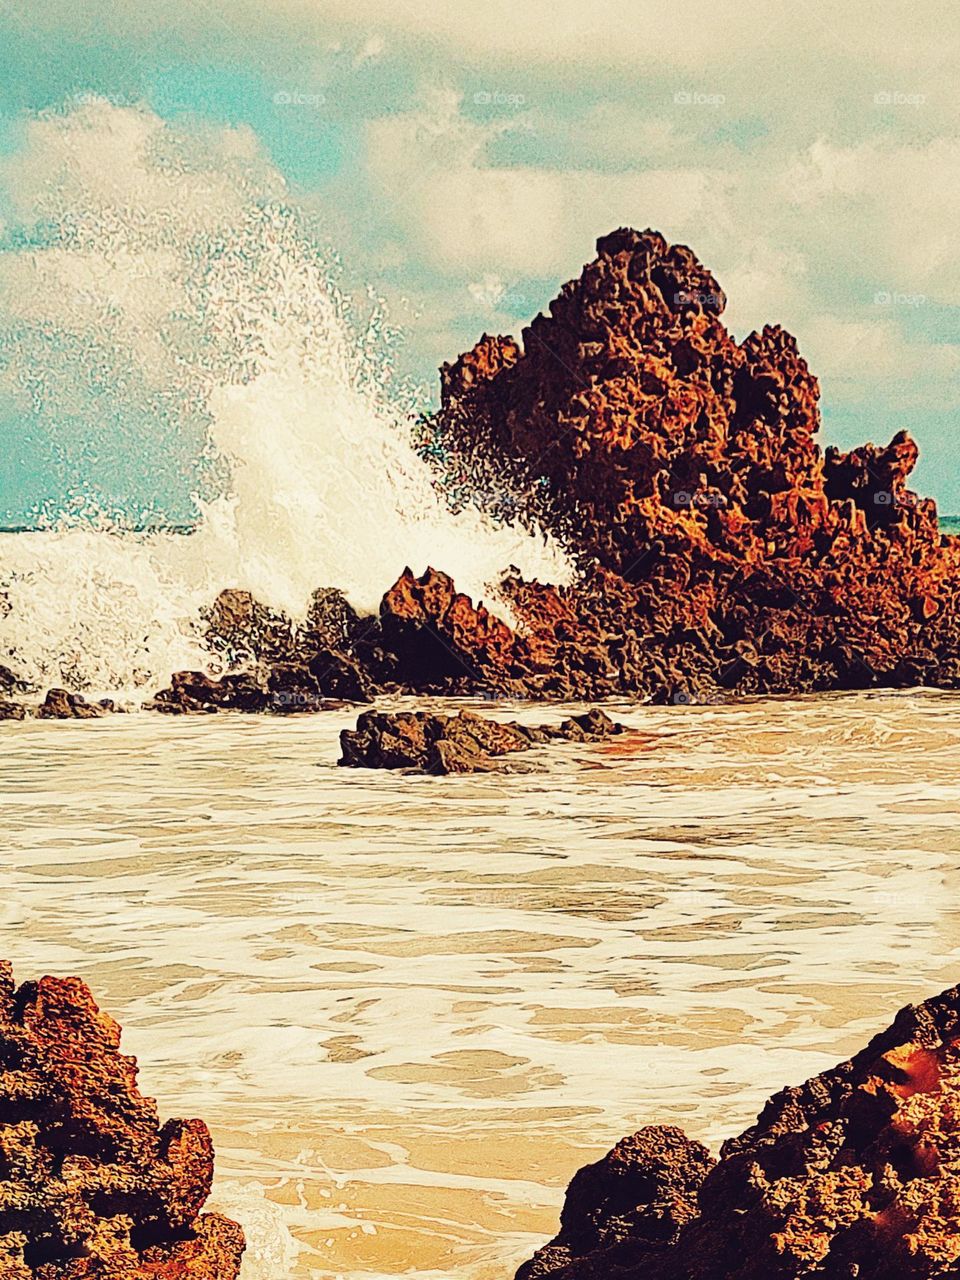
<point x="410" y="1007"/>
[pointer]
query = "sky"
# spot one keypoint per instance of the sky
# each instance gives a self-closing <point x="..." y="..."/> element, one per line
<point x="459" y="162"/>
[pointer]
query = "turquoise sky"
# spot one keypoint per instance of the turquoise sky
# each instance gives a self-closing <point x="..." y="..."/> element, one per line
<point x="462" y="163"/>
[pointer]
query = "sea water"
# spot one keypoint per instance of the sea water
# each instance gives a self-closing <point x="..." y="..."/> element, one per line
<point x="411" y="1007"/>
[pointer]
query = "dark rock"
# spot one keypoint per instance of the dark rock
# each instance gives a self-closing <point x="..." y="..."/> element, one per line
<point x="854" y="1174"/>
<point x="465" y="743"/>
<point x="60" y="704"/>
<point x="12" y="710"/>
<point x="10" y="682"/>
<point x="640" y="1194"/>
<point x="243" y="631"/>
<point x="194" y="692"/>
<point x="339" y="676"/>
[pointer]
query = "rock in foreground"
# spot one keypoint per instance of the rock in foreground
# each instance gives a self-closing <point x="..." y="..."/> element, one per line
<point x="92" y="1187"/>
<point x="854" y="1175"/>
<point x="465" y="743"/>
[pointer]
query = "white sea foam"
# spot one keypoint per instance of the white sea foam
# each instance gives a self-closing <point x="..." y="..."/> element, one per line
<point x="221" y="311"/>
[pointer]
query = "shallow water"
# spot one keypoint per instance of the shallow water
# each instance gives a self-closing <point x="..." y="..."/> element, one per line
<point x="410" y="1008"/>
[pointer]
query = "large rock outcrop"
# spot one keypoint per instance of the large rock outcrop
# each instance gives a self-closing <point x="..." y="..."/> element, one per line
<point x="92" y="1186"/>
<point x="854" y="1175"/>
<point x="682" y="469"/>
<point x="720" y="551"/>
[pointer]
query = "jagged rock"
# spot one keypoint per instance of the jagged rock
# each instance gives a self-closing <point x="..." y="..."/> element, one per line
<point x="10" y="682"/>
<point x="243" y="631"/>
<point x="464" y="743"/>
<point x="60" y="704"/>
<point x="12" y="710"/>
<point x="331" y="623"/>
<point x="720" y="548"/>
<point x="193" y="692"/>
<point x="286" y="688"/>
<point x="92" y="1186"/>
<point x="854" y="1174"/>
<point x="339" y="676"/>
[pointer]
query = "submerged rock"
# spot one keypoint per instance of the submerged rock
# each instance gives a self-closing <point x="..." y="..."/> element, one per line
<point x="464" y="743"/>
<point x="92" y="1186"/>
<point x="855" y="1174"/>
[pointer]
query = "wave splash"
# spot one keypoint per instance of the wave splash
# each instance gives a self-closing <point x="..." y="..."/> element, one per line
<point x="305" y="429"/>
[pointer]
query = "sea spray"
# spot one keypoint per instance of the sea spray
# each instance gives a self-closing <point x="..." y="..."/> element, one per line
<point x="203" y="299"/>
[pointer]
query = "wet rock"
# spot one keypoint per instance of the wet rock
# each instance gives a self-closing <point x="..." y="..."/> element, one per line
<point x="339" y="676"/>
<point x="855" y="1173"/>
<point x="243" y="631"/>
<point x="465" y="743"/>
<point x="61" y="704"/>
<point x="193" y="692"/>
<point x="93" y="1186"/>
<point x="10" y="682"/>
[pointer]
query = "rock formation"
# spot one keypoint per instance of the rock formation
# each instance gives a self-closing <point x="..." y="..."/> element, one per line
<point x="854" y="1174"/>
<point x="720" y="551"/>
<point x="60" y="704"/>
<point x="92" y="1186"/>
<point x="721" y="548"/>
<point x="464" y="743"/>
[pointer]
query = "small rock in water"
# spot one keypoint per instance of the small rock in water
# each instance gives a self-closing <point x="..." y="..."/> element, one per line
<point x="60" y="704"/>
<point x="423" y="742"/>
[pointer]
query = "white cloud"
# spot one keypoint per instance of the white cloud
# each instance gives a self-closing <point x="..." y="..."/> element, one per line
<point x="464" y="213"/>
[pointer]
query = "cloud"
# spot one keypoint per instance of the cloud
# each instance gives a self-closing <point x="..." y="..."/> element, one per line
<point x="432" y="166"/>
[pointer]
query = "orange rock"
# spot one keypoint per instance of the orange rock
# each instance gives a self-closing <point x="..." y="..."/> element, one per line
<point x="92" y="1186"/>
<point x="682" y="470"/>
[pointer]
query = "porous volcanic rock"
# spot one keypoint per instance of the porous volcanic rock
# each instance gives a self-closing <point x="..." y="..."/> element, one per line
<point x="422" y="742"/>
<point x="92" y="1186"/>
<point x="720" y="548"/>
<point x="854" y="1175"/>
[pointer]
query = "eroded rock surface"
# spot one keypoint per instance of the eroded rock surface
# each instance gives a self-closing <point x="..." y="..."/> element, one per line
<point x="854" y="1175"/>
<point x="465" y="743"/>
<point x="723" y="550"/>
<point x="92" y="1185"/>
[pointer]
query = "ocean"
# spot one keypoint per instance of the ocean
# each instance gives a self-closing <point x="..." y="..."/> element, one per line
<point x="410" y="1008"/>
